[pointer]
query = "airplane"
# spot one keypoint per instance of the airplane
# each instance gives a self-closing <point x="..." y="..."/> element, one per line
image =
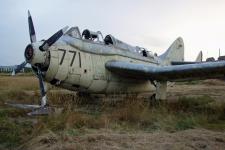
<point x="89" y="63"/>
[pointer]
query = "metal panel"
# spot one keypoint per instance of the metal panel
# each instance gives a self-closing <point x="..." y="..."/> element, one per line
<point x="63" y="62"/>
<point x="86" y="69"/>
<point x="53" y="66"/>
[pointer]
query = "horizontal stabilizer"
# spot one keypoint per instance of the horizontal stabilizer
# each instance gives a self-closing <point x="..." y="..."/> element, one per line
<point x="197" y="60"/>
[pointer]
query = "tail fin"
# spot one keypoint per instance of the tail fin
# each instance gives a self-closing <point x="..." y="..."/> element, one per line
<point x="174" y="53"/>
<point x="199" y="57"/>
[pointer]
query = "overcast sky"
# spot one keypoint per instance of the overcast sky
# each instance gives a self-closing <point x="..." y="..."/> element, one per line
<point x="153" y="24"/>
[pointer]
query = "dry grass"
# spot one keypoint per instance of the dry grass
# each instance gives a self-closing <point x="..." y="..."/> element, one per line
<point x="133" y="114"/>
<point x="84" y="113"/>
<point x="18" y="83"/>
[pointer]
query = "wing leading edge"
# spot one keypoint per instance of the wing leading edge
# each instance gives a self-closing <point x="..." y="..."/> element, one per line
<point x="168" y="73"/>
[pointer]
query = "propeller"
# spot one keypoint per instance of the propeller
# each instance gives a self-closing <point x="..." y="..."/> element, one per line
<point x="35" y="54"/>
<point x="29" y="51"/>
<point x="52" y="39"/>
<point x="18" y="68"/>
<point x="43" y="109"/>
<point x="32" y="40"/>
<point x="31" y="28"/>
<point x="42" y="88"/>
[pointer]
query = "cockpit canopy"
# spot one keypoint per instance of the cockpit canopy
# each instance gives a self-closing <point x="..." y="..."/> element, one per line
<point x="108" y="40"/>
<point x="90" y="35"/>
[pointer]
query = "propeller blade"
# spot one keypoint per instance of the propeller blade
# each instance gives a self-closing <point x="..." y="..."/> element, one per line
<point x="42" y="88"/>
<point x="42" y="109"/>
<point x="31" y="28"/>
<point x="19" y="68"/>
<point x="52" y="39"/>
<point x="23" y="106"/>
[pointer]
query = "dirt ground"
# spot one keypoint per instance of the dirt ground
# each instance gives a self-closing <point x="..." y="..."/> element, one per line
<point x="194" y="139"/>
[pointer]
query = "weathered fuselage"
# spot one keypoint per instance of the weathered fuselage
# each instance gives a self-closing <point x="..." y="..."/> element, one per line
<point x="78" y="64"/>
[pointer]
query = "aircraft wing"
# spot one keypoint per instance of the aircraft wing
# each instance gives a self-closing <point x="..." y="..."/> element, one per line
<point x="168" y="73"/>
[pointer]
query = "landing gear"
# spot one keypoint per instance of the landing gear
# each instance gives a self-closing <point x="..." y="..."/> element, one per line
<point x="153" y="97"/>
<point x="161" y="89"/>
<point x="153" y="101"/>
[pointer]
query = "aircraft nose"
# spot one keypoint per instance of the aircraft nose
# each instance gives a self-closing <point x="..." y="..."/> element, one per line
<point x="34" y="55"/>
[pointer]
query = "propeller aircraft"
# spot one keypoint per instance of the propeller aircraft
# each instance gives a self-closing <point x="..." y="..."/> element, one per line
<point x="89" y="63"/>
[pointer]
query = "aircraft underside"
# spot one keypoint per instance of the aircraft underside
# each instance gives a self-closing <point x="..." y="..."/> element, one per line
<point x="104" y="87"/>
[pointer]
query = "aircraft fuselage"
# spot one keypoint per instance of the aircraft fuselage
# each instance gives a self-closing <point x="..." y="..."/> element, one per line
<point x="80" y="66"/>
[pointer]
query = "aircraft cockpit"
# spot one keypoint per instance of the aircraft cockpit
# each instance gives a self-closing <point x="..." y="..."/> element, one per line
<point x="93" y="36"/>
<point x="109" y="40"/>
<point x="74" y="32"/>
<point x="144" y="52"/>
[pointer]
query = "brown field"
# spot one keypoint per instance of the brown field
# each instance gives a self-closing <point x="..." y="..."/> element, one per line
<point x="192" y="118"/>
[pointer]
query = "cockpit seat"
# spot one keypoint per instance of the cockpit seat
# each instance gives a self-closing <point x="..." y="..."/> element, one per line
<point x="108" y="40"/>
<point x="87" y="34"/>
